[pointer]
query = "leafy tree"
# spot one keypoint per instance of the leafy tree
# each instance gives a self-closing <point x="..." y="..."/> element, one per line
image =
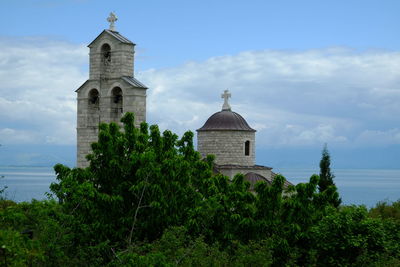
<point x="2" y="188"/>
<point x="288" y="216"/>
<point x="349" y="238"/>
<point x="34" y="234"/>
<point x="139" y="183"/>
<point x="226" y="211"/>
<point x="325" y="175"/>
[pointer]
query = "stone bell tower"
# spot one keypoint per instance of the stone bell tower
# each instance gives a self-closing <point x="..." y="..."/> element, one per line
<point x="111" y="89"/>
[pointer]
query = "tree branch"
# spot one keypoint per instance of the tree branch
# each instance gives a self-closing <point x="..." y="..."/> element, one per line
<point x="137" y="211"/>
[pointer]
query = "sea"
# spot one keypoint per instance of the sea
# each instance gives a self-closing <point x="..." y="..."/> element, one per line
<point x="356" y="186"/>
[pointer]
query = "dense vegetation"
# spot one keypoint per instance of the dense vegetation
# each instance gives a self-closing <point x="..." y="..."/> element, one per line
<point x="148" y="199"/>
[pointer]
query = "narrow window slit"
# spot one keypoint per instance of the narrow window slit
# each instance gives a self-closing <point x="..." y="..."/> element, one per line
<point x="247" y="148"/>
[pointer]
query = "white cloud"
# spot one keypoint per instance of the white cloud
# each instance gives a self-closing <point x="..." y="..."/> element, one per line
<point x="379" y="137"/>
<point x="37" y="96"/>
<point x="17" y="136"/>
<point x="333" y="95"/>
<point x="328" y="95"/>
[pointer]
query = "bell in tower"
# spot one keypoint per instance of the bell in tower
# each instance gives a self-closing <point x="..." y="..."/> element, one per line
<point x="111" y="89"/>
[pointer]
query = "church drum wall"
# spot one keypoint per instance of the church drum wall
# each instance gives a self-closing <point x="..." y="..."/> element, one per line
<point x="227" y="146"/>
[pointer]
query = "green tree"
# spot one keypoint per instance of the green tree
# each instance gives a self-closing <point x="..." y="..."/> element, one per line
<point x="2" y="188"/>
<point x="33" y="234"/>
<point x="347" y="237"/>
<point x="325" y="175"/>
<point x="139" y="183"/>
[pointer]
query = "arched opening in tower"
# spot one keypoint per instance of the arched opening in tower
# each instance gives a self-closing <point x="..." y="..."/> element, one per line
<point x="106" y="54"/>
<point x="116" y="104"/>
<point x="93" y="108"/>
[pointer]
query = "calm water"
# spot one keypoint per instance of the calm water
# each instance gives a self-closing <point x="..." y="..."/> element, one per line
<point x="25" y="183"/>
<point x="356" y="186"/>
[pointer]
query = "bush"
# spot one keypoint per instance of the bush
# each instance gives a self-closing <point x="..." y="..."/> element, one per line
<point x="33" y="232"/>
<point x="349" y="237"/>
<point x="386" y="210"/>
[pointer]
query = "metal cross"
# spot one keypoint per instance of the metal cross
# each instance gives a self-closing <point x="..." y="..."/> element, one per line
<point x="112" y="19"/>
<point x="226" y="95"/>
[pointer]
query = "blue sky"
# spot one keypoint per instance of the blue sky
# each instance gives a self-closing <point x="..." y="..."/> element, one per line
<point x="301" y="72"/>
<point x="173" y="32"/>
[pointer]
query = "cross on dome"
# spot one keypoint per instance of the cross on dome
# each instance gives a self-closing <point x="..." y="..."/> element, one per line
<point x="226" y="95"/>
<point x="112" y="19"/>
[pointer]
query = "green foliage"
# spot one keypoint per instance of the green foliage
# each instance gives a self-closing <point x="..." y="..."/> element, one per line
<point x="386" y="210"/>
<point x="148" y="199"/>
<point x="349" y="237"/>
<point x="326" y="176"/>
<point x="176" y="249"/>
<point x="17" y="250"/>
<point x="33" y="234"/>
<point x="2" y="189"/>
<point x="225" y="211"/>
<point x="139" y="183"/>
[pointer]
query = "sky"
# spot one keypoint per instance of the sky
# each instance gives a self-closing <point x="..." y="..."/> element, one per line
<point x="302" y="73"/>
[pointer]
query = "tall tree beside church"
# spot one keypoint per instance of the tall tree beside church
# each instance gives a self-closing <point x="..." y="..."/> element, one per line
<point x="326" y="176"/>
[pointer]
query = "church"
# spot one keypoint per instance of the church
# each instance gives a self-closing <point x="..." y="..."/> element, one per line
<point x="112" y="90"/>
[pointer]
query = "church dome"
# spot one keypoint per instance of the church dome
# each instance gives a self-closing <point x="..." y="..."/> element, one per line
<point x="228" y="137"/>
<point x="226" y="120"/>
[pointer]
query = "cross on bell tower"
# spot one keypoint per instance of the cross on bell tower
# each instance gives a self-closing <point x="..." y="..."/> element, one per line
<point x="112" y="19"/>
<point x="226" y="95"/>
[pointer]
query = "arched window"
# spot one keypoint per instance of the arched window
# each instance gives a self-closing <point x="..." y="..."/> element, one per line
<point x="94" y="97"/>
<point x="116" y="103"/>
<point x="117" y="95"/>
<point x="247" y="148"/>
<point x="106" y="54"/>
<point x="93" y="111"/>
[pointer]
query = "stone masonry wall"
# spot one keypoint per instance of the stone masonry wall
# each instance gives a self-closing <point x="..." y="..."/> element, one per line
<point x="227" y="146"/>
<point x="86" y="136"/>
<point x="89" y="116"/>
<point x="122" y="59"/>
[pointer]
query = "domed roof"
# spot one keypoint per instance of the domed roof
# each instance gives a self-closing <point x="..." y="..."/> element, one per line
<point x="253" y="178"/>
<point x="226" y="120"/>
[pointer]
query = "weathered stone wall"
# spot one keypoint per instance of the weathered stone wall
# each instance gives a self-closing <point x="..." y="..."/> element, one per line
<point x="86" y="136"/>
<point x="121" y="63"/>
<point x="89" y="116"/>
<point x="227" y="146"/>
